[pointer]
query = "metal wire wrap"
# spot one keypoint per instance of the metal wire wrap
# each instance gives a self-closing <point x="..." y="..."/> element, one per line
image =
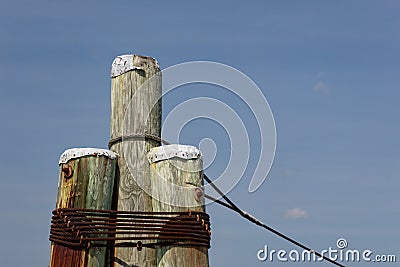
<point x="85" y="228"/>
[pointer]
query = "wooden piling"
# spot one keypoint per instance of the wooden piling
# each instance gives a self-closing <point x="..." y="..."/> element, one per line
<point x="86" y="181"/>
<point x="177" y="186"/>
<point x="135" y="109"/>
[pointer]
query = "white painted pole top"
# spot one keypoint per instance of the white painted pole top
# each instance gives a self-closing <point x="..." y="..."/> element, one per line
<point x="125" y="63"/>
<point x="173" y="151"/>
<point x="74" y="153"/>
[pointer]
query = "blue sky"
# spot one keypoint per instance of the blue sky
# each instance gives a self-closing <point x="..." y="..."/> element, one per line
<point x="329" y="69"/>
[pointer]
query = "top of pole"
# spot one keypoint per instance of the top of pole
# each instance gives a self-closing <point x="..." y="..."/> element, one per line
<point x="173" y="151"/>
<point x="125" y="63"/>
<point x="74" y="153"/>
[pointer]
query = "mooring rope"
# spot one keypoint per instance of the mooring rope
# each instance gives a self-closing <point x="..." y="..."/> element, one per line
<point x="230" y="205"/>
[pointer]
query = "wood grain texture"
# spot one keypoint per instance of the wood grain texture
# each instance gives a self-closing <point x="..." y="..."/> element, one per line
<point x="184" y="174"/>
<point x="91" y="187"/>
<point x="135" y="108"/>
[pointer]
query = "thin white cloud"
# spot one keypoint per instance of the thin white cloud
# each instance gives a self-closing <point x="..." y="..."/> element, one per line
<point x="321" y="87"/>
<point x="296" y="213"/>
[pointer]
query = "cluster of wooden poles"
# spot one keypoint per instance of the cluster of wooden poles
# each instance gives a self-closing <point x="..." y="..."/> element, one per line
<point x="111" y="207"/>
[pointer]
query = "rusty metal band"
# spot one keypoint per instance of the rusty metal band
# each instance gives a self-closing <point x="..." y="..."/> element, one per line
<point x="136" y="136"/>
<point x="85" y="228"/>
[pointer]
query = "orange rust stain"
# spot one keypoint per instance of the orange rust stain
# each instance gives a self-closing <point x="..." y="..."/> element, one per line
<point x="65" y="257"/>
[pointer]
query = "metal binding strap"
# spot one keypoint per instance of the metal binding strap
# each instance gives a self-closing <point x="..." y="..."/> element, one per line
<point x="86" y="228"/>
<point x="136" y="136"/>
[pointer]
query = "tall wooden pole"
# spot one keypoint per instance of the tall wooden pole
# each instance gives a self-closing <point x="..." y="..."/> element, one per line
<point x="133" y="112"/>
<point x="177" y="182"/>
<point x="86" y="181"/>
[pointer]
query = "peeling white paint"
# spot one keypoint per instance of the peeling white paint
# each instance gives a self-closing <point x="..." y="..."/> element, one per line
<point x="173" y="151"/>
<point x="125" y="63"/>
<point x="74" y="153"/>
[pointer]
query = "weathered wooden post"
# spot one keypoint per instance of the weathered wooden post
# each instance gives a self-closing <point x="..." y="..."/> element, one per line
<point x="177" y="186"/>
<point x="134" y="114"/>
<point x="86" y="182"/>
